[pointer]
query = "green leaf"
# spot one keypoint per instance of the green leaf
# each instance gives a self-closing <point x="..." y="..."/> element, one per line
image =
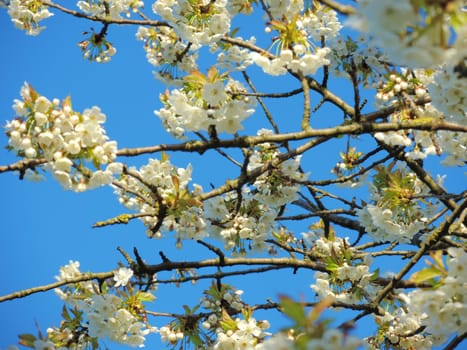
<point x="375" y="275"/>
<point x="164" y="157"/>
<point x="65" y="314"/>
<point x="196" y="340"/>
<point x="331" y="265"/>
<point x="319" y="308"/>
<point x="458" y="20"/>
<point x="145" y="296"/>
<point x="187" y="309"/>
<point x="426" y="275"/>
<point x="234" y="32"/>
<point x="226" y="322"/>
<point x="104" y="288"/>
<point x="294" y="310"/>
<point x="27" y="340"/>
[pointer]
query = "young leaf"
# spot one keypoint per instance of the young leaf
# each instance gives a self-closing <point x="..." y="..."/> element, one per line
<point x="294" y="310"/>
<point x="27" y="340"/>
<point x="145" y="296"/>
<point x="426" y="275"/>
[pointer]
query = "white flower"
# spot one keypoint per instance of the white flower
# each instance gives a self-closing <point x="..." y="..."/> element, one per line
<point x="219" y="24"/>
<point x="33" y="176"/>
<point x="122" y="276"/>
<point x="26" y="15"/>
<point x="279" y="341"/>
<point x="70" y="270"/>
<point x="400" y="29"/>
<point x="63" y="164"/>
<point x="43" y="345"/>
<point x="100" y="178"/>
<point x="63" y="178"/>
<point x="214" y="93"/>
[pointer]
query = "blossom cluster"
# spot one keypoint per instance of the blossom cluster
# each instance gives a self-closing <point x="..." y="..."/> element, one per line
<point x="97" y="48"/>
<point x="26" y="15"/>
<point x="246" y="333"/>
<point x="428" y="316"/>
<point x="320" y="245"/>
<point x="167" y="52"/>
<point x="240" y="225"/>
<point x="109" y="8"/>
<point x="398" y="86"/>
<point x="107" y="310"/>
<point x="220" y="300"/>
<point x="332" y="339"/>
<point x="447" y="90"/>
<point x="443" y="310"/>
<point x="233" y="57"/>
<point x="205" y="101"/>
<point x="347" y="283"/>
<point x="397" y="214"/>
<point x="158" y="191"/>
<point x="216" y="299"/>
<point x="249" y="216"/>
<point x="198" y="22"/>
<point x="350" y="165"/>
<point x="299" y="36"/>
<point x="298" y="60"/>
<point x="74" y="145"/>
<point x="280" y="184"/>
<point x="406" y="28"/>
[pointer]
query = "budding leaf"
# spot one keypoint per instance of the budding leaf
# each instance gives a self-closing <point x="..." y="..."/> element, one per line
<point x="27" y="340"/>
<point x="145" y="296"/>
<point x="294" y="310"/>
<point x="426" y="275"/>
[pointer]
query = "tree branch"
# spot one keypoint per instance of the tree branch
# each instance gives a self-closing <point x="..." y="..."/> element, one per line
<point x="343" y="9"/>
<point x="81" y="278"/>
<point x="248" y="141"/>
<point x="104" y="19"/>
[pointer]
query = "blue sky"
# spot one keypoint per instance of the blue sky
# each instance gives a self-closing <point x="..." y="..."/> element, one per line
<point x="43" y="226"/>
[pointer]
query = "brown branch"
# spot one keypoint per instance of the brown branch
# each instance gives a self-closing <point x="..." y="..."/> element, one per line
<point x="214" y="249"/>
<point x="268" y="94"/>
<point x="81" y="278"/>
<point x="222" y="274"/>
<point x="22" y="165"/>
<point x="272" y="262"/>
<point x="306" y="104"/>
<point x="235" y="184"/>
<point x="343" y="9"/>
<point x="329" y="96"/>
<point x="385" y="112"/>
<point x="247" y="141"/>
<point x="316" y="213"/>
<point x="335" y="219"/>
<point x="456" y="341"/>
<point x="106" y="20"/>
<point x="356" y="91"/>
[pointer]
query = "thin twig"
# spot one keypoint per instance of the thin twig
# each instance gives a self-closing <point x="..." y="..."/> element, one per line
<point x="106" y="20"/>
<point x="81" y="278"/>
